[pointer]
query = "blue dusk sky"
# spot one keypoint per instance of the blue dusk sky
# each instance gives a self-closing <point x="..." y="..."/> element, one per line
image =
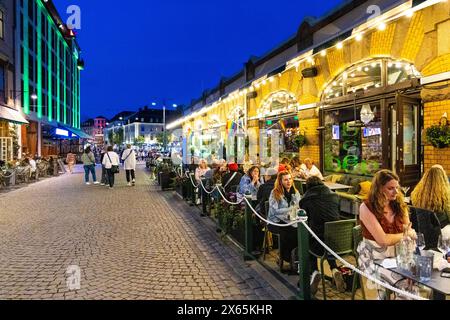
<point x="141" y="51"/>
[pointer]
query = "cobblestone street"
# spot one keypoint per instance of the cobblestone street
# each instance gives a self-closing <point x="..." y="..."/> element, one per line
<point x="130" y="243"/>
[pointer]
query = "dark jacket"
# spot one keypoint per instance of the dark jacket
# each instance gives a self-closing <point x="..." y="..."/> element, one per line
<point x="321" y="205"/>
<point x="426" y="222"/>
<point x="231" y="187"/>
<point x="263" y="195"/>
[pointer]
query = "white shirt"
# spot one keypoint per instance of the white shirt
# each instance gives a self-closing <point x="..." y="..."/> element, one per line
<point x="114" y="160"/>
<point x="313" y="172"/>
<point x="33" y="165"/>
<point x="130" y="162"/>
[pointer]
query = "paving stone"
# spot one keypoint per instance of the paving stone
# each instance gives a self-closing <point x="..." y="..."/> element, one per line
<point x="129" y="243"/>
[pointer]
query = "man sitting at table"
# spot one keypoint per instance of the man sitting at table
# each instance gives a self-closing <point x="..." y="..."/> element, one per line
<point x="321" y="205"/>
<point x="310" y="170"/>
<point x="231" y="180"/>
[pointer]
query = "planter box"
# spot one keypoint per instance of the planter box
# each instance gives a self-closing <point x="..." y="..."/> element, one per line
<point x="165" y="179"/>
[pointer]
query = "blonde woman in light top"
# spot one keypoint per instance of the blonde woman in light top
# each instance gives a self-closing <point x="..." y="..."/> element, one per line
<point x="201" y="170"/>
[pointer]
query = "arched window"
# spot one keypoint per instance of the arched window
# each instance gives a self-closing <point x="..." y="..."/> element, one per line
<point x="368" y="75"/>
<point x="281" y="101"/>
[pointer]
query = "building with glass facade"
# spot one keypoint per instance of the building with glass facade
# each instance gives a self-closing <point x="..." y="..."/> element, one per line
<point x="48" y="66"/>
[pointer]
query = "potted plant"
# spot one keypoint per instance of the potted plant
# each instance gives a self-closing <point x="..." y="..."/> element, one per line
<point x="299" y="140"/>
<point x="439" y="136"/>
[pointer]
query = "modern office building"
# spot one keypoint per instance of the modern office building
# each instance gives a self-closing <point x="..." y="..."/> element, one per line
<point x="48" y="66"/>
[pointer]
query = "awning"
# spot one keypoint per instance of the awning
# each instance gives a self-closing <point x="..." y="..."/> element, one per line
<point x="12" y="115"/>
<point x="75" y="133"/>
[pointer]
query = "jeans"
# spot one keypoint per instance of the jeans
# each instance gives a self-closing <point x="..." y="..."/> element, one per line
<point x="110" y="177"/>
<point x="130" y="172"/>
<point x="91" y="169"/>
<point x="104" y="176"/>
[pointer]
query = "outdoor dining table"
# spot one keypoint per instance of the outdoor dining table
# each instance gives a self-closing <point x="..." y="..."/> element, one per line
<point x="439" y="285"/>
<point x="331" y="185"/>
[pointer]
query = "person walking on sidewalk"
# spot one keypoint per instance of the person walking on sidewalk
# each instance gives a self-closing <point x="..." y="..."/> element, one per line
<point x="111" y="163"/>
<point x="88" y="159"/>
<point x="71" y="160"/>
<point x="129" y="164"/>
<point x="104" y="180"/>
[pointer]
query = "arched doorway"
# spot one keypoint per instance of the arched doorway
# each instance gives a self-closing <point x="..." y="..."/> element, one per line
<point x="371" y="119"/>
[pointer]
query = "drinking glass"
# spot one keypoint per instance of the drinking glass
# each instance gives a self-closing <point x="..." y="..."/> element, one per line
<point x="443" y="244"/>
<point x="405" y="190"/>
<point x="420" y="241"/>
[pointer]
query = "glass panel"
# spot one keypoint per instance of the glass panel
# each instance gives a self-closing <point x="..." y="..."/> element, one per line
<point x="364" y="76"/>
<point x="410" y="134"/>
<point x="352" y="148"/>
<point x="399" y="72"/>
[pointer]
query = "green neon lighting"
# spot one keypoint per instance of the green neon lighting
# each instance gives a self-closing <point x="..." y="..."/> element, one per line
<point x="58" y="82"/>
<point x="269" y="122"/>
<point x="26" y="62"/>
<point x="65" y="91"/>
<point x="49" y="68"/>
<point x="39" y="62"/>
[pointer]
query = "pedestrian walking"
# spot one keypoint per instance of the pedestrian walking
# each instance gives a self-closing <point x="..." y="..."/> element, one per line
<point x="111" y="163"/>
<point x="129" y="164"/>
<point x="88" y="160"/>
<point x="104" y="180"/>
<point x="71" y="160"/>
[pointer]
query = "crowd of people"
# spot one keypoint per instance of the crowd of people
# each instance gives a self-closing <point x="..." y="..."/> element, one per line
<point x="384" y="215"/>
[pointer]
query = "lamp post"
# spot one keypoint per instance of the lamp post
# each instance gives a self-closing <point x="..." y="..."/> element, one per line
<point x="164" y="105"/>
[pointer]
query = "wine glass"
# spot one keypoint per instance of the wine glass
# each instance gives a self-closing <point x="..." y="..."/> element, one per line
<point x="443" y="244"/>
<point x="420" y="241"/>
<point x="405" y="190"/>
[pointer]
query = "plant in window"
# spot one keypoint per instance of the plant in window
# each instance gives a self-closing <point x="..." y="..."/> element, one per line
<point x="439" y="136"/>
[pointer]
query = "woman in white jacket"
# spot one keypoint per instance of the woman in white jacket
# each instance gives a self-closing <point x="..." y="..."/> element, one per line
<point x="110" y="159"/>
<point x="129" y="158"/>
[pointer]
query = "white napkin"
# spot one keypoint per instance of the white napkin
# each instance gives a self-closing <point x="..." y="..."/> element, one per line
<point x="389" y="263"/>
<point x="439" y="262"/>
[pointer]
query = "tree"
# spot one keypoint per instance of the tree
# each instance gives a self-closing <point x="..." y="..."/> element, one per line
<point x="163" y="136"/>
<point x="139" y="141"/>
<point x="118" y="137"/>
<point x="111" y="137"/>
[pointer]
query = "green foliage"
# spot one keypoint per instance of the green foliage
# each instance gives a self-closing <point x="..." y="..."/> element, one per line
<point x="139" y="141"/>
<point x="299" y="140"/>
<point x="439" y="136"/>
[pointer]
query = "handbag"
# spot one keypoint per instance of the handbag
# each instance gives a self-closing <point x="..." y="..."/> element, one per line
<point x="114" y="168"/>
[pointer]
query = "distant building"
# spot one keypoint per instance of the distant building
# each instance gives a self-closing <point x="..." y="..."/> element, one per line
<point x="95" y="128"/>
<point x="146" y="122"/>
<point x="115" y="125"/>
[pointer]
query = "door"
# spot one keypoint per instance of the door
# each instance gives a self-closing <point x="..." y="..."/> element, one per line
<point x="405" y="139"/>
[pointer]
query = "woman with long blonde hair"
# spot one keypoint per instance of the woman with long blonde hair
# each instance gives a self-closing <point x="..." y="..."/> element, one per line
<point x="283" y="199"/>
<point x="433" y="193"/>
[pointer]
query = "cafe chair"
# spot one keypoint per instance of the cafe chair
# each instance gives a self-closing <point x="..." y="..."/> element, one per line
<point x="338" y="236"/>
<point x="357" y="278"/>
<point x="266" y="241"/>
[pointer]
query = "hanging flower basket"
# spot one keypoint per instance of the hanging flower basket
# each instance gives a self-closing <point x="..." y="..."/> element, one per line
<point x="439" y="136"/>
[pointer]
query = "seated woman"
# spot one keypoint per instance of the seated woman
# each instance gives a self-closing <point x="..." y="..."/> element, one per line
<point x="201" y="170"/>
<point x="433" y="193"/>
<point x="296" y="167"/>
<point x="250" y="182"/>
<point x="383" y="216"/>
<point x="283" y="199"/>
